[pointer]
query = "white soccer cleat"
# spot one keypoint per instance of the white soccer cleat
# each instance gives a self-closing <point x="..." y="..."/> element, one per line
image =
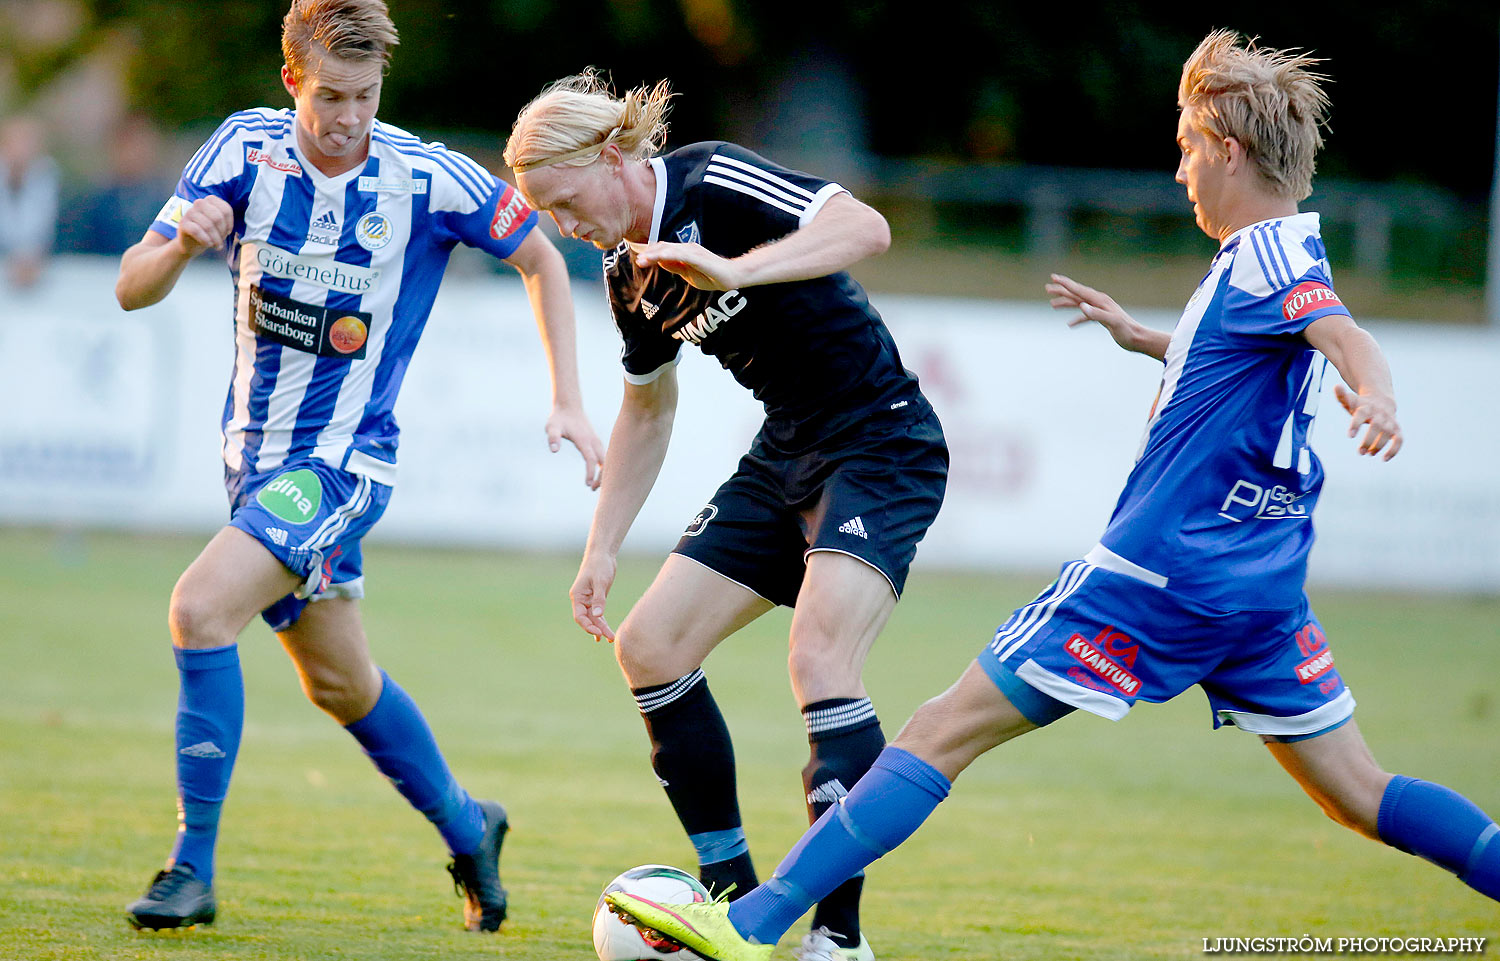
<point x="818" y="946"/>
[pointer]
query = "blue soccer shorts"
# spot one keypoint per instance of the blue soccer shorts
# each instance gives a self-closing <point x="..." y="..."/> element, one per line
<point x="1101" y="640"/>
<point x="871" y="494"/>
<point x="311" y="516"/>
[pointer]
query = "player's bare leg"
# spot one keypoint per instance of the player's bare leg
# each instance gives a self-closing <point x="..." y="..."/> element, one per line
<point x="328" y="645"/>
<point x="1337" y="771"/>
<point x="683" y="616"/>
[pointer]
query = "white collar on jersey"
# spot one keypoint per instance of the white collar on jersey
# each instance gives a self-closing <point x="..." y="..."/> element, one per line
<point x="1306" y="221"/>
<point x="659" y="167"/>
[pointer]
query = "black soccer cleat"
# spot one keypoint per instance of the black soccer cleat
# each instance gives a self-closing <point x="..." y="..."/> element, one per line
<point x="176" y="898"/>
<point x="476" y="877"/>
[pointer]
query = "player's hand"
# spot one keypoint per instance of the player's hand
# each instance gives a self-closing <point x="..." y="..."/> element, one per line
<point x="574" y="426"/>
<point x="205" y="225"/>
<point x="1378" y="412"/>
<point x="694" y="263"/>
<point x="590" y="590"/>
<point x="1100" y="308"/>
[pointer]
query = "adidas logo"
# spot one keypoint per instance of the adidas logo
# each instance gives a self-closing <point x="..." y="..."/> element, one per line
<point x="324" y="230"/>
<point x="854" y="526"/>
<point x="203" y="749"/>
<point x="828" y="792"/>
<point x="277" y="535"/>
<point x="649" y="309"/>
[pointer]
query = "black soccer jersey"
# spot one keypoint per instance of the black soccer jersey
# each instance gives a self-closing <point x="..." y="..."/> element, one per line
<point x="814" y="352"/>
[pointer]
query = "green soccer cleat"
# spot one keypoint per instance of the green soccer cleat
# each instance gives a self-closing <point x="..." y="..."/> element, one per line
<point x="703" y="927"/>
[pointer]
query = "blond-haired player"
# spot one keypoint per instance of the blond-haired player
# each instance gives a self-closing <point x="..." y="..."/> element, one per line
<point x="336" y="229"/>
<point x="714" y="246"/>
<point x="1198" y="579"/>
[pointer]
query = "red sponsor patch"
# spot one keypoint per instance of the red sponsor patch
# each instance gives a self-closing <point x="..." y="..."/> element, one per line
<point x="1315" y="667"/>
<point x="254" y="156"/>
<point x="511" y="212"/>
<point x="1307" y="297"/>
<point x="1101" y="664"/>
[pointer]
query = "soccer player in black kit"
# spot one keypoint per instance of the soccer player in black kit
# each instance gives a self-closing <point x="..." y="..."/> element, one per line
<point x="715" y="246"/>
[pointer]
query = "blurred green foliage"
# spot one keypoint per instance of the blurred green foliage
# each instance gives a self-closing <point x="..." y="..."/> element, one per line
<point x="1414" y="92"/>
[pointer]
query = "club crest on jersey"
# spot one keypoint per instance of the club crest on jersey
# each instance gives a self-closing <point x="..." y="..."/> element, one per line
<point x="701" y="521"/>
<point x="1307" y="297"/>
<point x="689" y="234"/>
<point x="729" y="303"/>
<point x="510" y="213"/>
<point x="374" y="230"/>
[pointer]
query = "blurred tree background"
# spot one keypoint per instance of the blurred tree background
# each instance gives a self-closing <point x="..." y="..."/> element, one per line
<point x="839" y="84"/>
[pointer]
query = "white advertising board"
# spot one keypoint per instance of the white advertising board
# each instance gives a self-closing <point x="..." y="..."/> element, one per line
<point x="111" y="419"/>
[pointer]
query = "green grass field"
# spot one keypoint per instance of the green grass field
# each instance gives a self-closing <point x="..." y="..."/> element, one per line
<point x="1089" y="840"/>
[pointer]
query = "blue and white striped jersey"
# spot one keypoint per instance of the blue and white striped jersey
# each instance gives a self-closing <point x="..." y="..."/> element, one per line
<point x="334" y="278"/>
<point x="1219" y="504"/>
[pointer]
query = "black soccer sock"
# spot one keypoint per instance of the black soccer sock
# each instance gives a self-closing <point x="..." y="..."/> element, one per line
<point x="694" y="761"/>
<point x="845" y="737"/>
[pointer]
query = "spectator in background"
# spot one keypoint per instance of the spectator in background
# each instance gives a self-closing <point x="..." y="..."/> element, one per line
<point x="106" y="218"/>
<point x="28" y="200"/>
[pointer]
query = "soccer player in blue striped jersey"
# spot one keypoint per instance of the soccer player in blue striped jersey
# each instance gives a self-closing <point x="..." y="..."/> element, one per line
<point x="336" y="229"/>
<point x="713" y="246"/>
<point x="1199" y="576"/>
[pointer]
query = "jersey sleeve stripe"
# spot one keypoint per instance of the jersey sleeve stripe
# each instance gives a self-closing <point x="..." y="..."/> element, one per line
<point x="750" y="192"/>
<point x="771" y="189"/>
<point x="1265" y="268"/>
<point x="476" y="184"/>
<point x="819" y="199"/>
<point x="766" y="175"/>
<point x="208" y="154"/>
<point x="1274" y="235"/>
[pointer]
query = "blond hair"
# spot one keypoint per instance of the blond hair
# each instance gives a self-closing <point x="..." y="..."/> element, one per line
<point x="1268" y="100"/>
<point x="350" y="29"/>
<point x="573" y="119"/>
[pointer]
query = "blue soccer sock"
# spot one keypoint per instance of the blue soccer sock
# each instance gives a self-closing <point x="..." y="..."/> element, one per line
<point x="210" y="717"/>
<point x="884" y="809"/>
<point x="396" y="737"/>
<point x="1444" y="827"/>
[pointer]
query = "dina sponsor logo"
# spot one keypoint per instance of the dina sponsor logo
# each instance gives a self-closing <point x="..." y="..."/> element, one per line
<point x="1110" y="655"/>
<point x="321" y="271"/>
<point x="293" y="497"/>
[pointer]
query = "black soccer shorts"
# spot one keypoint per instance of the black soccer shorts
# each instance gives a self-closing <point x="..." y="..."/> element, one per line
<point x="871" y="494"/>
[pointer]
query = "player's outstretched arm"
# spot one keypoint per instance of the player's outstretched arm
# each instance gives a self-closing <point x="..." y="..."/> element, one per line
<point x="637" y="447"/>
<point x="149" y="270"/>
<point x="546" y="278"/>
<point x="1099" y="307"/>
<point x="841" y="234"/>
<point x="1359" y="360"/>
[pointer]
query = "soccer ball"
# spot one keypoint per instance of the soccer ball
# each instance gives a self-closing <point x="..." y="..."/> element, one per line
<point x="616" y="939"/>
